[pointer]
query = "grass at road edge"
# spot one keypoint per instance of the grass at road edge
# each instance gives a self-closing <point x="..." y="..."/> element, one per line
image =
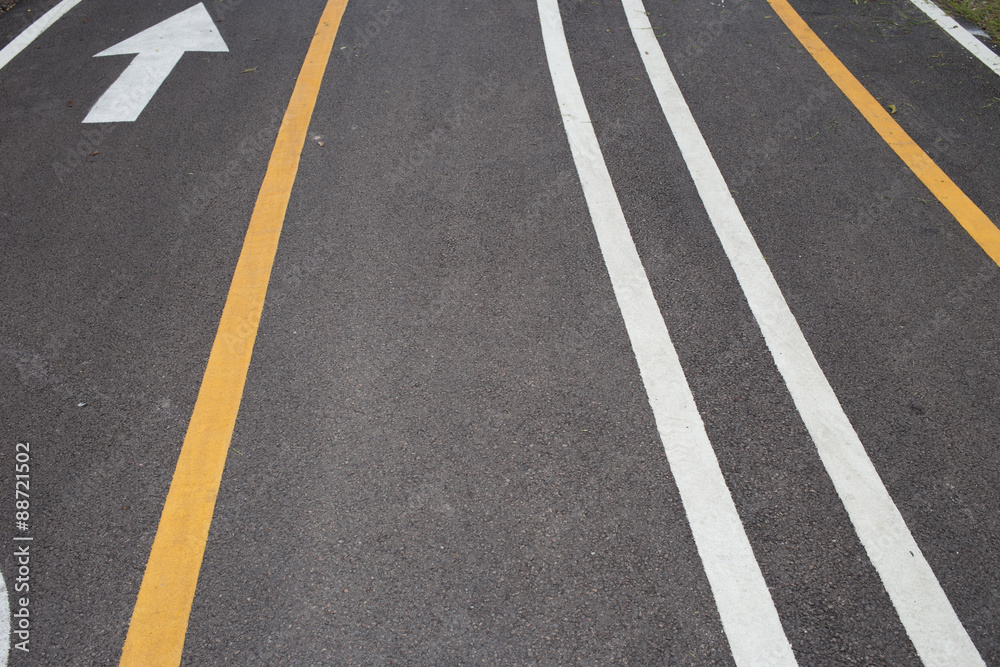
<point x="983" y="13"/>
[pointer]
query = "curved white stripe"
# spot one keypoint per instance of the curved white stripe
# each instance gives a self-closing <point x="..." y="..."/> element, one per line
<point x="926" y="613"/>
<point x="745" y="606"/>
<point x="17" y="44"/>
<point x="961" y="35"/>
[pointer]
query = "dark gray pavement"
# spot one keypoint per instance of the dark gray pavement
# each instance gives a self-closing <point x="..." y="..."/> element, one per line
<point x="445" y="454"/>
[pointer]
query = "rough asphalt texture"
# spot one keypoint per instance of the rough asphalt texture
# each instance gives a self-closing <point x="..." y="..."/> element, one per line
<point x="444" y="453"/>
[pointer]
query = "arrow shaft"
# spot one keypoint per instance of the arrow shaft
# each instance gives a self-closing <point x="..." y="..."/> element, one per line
<point x="132" y="91"/>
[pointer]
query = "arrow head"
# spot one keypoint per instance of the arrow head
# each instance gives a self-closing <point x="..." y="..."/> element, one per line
<point x="190" y="30"/>
<point x="159" y="48"/>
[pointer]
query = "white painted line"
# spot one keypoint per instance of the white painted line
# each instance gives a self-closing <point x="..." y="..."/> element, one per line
<point x="961" y="35"/>
<point x="34" y="30"/>
<point x="923" y="608"/>
<point x="4" y="622"/>
<point x="159" y="49"/>
<point x="748" y="615"/>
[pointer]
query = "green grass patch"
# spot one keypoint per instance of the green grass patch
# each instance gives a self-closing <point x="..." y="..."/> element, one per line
<point x="984" y="13"/>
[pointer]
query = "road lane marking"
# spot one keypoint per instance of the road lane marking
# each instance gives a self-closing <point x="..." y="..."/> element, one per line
<point x="30" y="33"/>
<point x="159" y="48"/>
<point x="748" y="614"/>
<point x="160" y="619"/>
<point x="924" y="609"/>
<point x="975" y="222"/>
<point x="961" y="35"/>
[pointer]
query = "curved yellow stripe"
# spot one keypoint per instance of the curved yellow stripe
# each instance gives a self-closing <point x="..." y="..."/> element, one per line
<point x="975" y="222"/>
<point x="160" y="619"/>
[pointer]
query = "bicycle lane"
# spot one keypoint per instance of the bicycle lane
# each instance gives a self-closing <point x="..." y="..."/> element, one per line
<point x="743" y="83"/>
<point x="119" y="241"/>
<point x="445" y="453"/>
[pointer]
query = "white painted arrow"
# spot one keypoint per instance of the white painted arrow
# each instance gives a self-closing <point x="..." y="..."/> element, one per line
<point x="159" y="48"/>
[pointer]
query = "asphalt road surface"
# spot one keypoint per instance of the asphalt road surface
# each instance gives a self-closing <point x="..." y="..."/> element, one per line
<point x="465" y="436"/>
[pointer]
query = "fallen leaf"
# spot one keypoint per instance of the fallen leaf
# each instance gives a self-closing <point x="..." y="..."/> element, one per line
<point x="891" y="108"/>
<point x="96" y="153"/>
<point x="252" y="69"/>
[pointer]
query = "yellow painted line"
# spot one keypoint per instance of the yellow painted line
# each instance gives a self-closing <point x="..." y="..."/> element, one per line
<point x="975" y="222"/>
<point x="160" y="619"/>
